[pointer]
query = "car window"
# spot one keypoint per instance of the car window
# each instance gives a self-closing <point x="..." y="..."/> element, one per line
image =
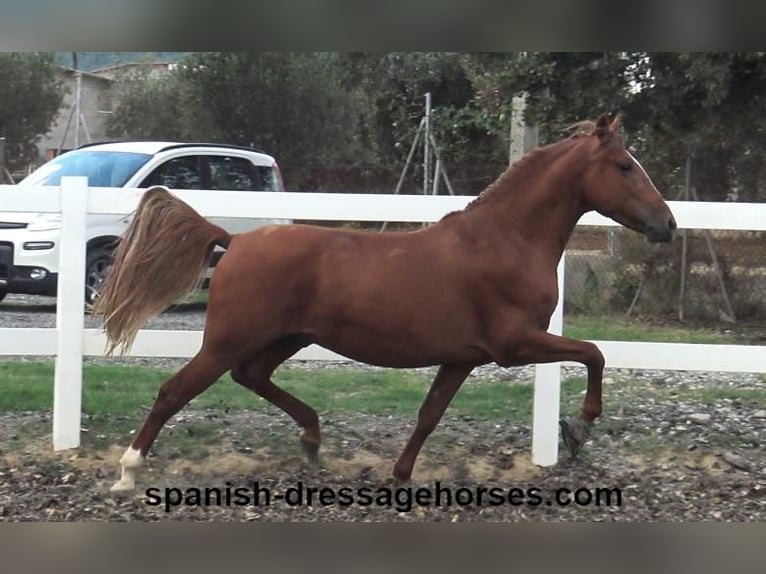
<point x="231" y="173"/>
<point x="267" y="178"/>
<point x="102" y="168"/>
<point x="177" y="173"/>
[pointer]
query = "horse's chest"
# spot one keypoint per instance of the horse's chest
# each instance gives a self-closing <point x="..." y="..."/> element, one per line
<point x="528" y="282"/>
<point x="527" y="297"/>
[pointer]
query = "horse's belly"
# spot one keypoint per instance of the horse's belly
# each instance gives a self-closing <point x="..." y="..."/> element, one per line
<point x="405" y="358"/>
<point x="403" y="352"/>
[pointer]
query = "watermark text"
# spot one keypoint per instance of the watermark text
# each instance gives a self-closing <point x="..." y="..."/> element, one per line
<point x="401" y="498"/>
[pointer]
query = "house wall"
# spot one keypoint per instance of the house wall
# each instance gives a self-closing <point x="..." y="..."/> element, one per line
<point x="96" y="103"/>
<point x="137" y="71"/>
<point x="95" y="106"/>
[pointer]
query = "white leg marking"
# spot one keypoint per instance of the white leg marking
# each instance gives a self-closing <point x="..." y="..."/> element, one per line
<point x="130" y="462"/>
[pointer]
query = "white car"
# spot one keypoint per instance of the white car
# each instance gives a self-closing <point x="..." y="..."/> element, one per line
<point x="29" y="254"/>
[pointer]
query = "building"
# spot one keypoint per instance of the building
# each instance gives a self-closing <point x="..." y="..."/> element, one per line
<point x="97" y="101"/>
<point x="137" y="70"/>
<point x="95" y="106"/>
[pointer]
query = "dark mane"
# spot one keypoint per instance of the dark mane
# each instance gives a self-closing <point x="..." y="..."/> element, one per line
<point x="501" y="181"/>
<point x="575" y="130"/>
<point x="579" y="129"/>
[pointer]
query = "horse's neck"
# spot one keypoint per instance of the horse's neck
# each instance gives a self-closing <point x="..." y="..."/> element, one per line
<point x="539" y="198"/>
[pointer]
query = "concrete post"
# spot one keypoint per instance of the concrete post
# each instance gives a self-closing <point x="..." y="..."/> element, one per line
<point x="523" y="137"/>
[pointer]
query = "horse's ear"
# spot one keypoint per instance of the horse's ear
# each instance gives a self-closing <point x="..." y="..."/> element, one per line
<point x="615" y="125"/>
<point x="603" y="130"/>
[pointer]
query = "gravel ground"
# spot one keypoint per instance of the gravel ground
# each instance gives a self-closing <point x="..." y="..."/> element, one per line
<point x="672" y="455"/>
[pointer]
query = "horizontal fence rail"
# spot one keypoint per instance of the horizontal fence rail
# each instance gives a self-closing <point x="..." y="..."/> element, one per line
<point x="69" y="341"/>
<point x="357" y="207"/>
<point x="157" y="343"/>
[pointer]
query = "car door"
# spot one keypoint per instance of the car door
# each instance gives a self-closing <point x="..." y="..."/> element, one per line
<point x="224" y="172"/>
<point x="234" y="173"/>
<point x="182" y="172"/>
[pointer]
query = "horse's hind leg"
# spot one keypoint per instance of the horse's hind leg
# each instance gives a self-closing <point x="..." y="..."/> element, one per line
<point x="201" y="372"/>
<point x="255" y="374"/>
<point x="445" y="385"/>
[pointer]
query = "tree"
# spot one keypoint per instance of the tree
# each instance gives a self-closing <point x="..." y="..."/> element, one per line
<point x="359" y="112"/>
<point x="149" y="109"/>
<point x="396" y="84"/>
<point x="563" y="87"/>
<point x="30" y="96"/>
<point x="293" y="105"/>
<point x="472" y="138"/>
<point x="708" y="105"/>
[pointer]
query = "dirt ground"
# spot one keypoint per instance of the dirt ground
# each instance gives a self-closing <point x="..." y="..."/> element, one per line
<point x="668" y="464"/>
<point x="673" y="455"/>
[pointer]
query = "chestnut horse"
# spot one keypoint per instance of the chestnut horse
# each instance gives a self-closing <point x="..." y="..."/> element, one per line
<point x="477" y="287"/>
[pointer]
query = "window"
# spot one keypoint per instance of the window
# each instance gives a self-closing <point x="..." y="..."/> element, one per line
<point x="266" y="177"/>
<point x="102" y="168"/>
<point x="231" y="173"/>
<point x="177" y="173"/>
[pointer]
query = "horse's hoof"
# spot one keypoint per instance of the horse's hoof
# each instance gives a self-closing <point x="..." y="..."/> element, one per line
<point x="311" y="450"/>
<point x="574" y="433"/>
<point x="400" y="477"/>
<point x="123" y="485"/>
<point x="397" y="481"/>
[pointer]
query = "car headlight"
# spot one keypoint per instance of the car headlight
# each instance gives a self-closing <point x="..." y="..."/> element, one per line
<point x="45" y="222"/>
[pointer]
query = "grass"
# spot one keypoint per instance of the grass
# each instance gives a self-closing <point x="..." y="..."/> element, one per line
<point x="611" y="328"/>
<point x="715" y="395"/>
<point x="117" y="398"/>
<point x="110" y="390"/>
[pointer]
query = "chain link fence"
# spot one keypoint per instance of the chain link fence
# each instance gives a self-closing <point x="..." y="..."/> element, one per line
<point x="614" y="271"/>
<point x="719" y="278"/>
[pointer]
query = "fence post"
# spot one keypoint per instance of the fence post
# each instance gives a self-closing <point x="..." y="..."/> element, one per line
<point x="523" y="137"/>
<point x="70" y="321"/>
<point x="3" y="170"/>
<point x="547" y="394"/>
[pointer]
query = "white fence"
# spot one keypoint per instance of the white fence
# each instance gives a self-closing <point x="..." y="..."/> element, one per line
<point x="69" y="341"/>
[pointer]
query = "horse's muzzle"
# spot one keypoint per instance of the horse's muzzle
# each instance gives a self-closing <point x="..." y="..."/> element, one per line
<point x="661" y="231"/>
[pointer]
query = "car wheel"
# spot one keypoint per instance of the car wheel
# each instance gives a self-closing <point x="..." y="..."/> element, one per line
<point x="3" y="293"/>
<point x="97" y="265"/>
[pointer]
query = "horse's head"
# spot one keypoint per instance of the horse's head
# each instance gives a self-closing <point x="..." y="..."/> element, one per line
<point x="618" y="187"/>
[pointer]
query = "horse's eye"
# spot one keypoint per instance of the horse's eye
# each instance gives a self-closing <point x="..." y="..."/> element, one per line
<point x="627" y="166"/>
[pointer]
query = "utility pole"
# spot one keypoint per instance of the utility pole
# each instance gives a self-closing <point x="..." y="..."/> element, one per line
<point x="427" y="147"/>
<point x="76" y="111"/>
<point x="2" y="159"/>
<point x="78" y="91"/>
<point x="431" y="175"/>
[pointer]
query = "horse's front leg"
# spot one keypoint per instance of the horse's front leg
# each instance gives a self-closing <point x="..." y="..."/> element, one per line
<point x="543" y="347"/>
<point x="445" y="385"/>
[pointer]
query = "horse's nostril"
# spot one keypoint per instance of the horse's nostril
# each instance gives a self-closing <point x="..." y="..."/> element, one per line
<point x="672" y="223"/>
